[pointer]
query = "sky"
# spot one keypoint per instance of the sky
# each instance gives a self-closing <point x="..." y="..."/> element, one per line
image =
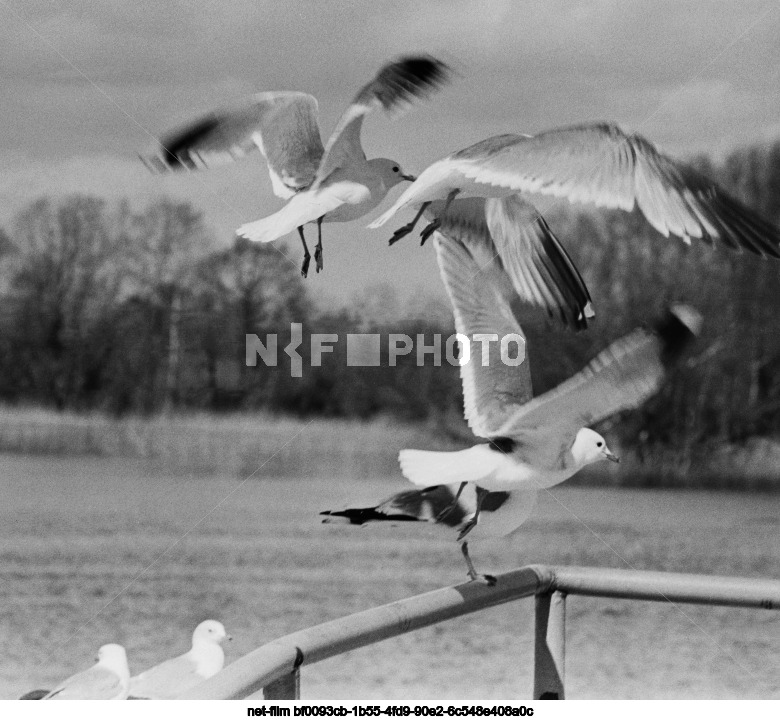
<point x="88" y="84"/>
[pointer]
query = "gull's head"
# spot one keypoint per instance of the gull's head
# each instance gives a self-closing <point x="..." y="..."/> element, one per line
<point x="113" y="656"/>
<point x="209" y="632"/>
<point x="590" y="447"/>
<point x="390" y="171"/>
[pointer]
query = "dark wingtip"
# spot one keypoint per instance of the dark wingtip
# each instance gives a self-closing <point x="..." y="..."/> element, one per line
<point x="677" y="329"/>
<point x="410" y="77"/>
<point x="355" y="516"/>
<point x="567" y="278"/>
<point x="35" y="695"/>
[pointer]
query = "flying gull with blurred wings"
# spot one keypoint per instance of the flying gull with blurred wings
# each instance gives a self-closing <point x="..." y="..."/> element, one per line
<point x="107" y="680"/>
<point x="520" y="255"/>
<point x="176" y="675"/>
<point x="335" y="183"/>
<point x="597" y="164"/>
<point x="533" y="443"/>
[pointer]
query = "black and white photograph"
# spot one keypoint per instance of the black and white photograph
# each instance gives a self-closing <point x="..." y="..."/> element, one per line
<point x="405" y="358"/>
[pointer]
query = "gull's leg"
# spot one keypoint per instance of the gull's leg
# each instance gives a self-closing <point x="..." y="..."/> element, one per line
<point x="318" y="247"/>
<point x="404" y="230"/>
<point x="449" y="509"/>
<point x="481" y="493"/>
<point x="473" y="575"/>
<point x="306" y="254"/>
<point x="435" y="224"/>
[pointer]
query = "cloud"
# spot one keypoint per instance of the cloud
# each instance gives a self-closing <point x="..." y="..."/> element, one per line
<point x="88" y="83"/>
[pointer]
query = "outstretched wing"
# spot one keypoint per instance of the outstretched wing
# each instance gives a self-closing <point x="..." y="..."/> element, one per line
<point x="396" y="84"/>
<point x="480" y="292"/>
<point x="282" y="125"/>
<point x="511" y="231"/>
<point x="600" y="164"/>
<point x="622" y="376"/>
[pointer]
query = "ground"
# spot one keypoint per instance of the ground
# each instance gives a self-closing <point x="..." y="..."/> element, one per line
<point x="94" y="551"/>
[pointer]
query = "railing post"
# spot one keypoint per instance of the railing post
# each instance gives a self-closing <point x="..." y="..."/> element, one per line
<point x="549" y="645"/>
<point x="287" y="688"/>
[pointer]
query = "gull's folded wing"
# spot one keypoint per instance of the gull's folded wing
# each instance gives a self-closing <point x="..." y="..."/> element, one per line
<point x="167" y="679"/>
<point x="95" y="683"/>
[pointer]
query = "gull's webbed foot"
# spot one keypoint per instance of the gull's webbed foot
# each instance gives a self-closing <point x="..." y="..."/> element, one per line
<point x="305" y="264"/>
<point x="473" y="575"/>
<point x="485" y="578"/>
<point x="402" y="232"/>
<point x="318" y="257"/>
<point x="429" y="230"/>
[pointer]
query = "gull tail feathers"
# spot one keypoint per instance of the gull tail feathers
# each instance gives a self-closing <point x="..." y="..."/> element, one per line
<point x="435" y="468"/>
<point x="274" y="226"/>
<point x="382" y="219"/>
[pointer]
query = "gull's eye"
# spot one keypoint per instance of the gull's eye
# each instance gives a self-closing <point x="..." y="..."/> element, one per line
<point x="599" y="444"/>
<point x="396" y="168"/>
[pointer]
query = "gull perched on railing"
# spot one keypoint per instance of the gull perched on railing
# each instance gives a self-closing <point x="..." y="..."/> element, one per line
<point x="533" y="443"/>
<point x="597" y="164"/>
<point x="334" y="183"/>
<point x="107" y="680"/>
<point x="176" y="675"/>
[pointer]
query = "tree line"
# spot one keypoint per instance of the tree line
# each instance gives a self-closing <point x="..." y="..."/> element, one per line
<point x="105" y="306"/>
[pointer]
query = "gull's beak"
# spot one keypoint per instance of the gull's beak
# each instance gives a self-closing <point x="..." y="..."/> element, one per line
<point x="611" y="456"/>
<point x="410" y="178"/>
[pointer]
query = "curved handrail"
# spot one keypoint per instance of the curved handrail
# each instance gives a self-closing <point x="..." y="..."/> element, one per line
<point x="281" y="657"/>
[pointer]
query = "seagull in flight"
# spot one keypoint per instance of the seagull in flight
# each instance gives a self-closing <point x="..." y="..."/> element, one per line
<point x="176" y="675"/>
<point x="518" y="254"/>
<point x="531" y="442"/>
<point x="108" y="679"/>
<point x="591" y="163"/>
<point x="334" y="183"/>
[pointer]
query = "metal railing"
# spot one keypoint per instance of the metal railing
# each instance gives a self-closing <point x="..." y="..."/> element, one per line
<point x="273" y="670"/>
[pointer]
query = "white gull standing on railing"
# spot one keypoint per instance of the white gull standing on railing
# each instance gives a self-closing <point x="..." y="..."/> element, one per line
<point x="173" y="677"/>
<point x="107" y="680"/>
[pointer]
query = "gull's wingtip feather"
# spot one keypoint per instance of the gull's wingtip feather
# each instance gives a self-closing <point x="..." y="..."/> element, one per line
<point x="401" y="81"/>
<point x="688" y="316"/>
<point x="154" y="164"/>
<point x="680" y="325"/>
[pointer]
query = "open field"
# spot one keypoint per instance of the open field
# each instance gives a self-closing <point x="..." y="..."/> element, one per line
<point x="241" y="443"/>
<point x="99" y="550"/>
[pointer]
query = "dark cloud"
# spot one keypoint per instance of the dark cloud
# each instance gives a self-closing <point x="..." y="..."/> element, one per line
<point x="85" y="81"/>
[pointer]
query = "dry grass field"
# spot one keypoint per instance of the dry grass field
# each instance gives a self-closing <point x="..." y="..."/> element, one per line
<point x="94" y="550"/>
